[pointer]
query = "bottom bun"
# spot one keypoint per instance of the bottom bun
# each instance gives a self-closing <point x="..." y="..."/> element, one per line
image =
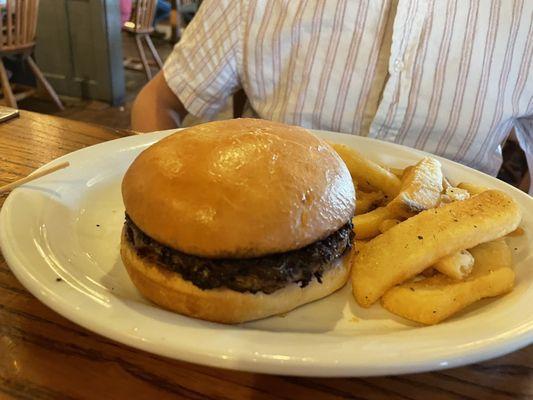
<point x="169" y="290"/>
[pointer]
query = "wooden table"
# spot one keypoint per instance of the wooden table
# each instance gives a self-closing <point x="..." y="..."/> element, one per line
<point x="44" y="356"/>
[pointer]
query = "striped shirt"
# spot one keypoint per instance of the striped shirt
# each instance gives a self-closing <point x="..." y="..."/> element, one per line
<point x="449" y="77"/>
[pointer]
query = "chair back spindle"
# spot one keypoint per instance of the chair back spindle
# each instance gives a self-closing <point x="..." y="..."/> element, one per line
<point x="18" y="24"/>
<point x="143" y="16"/>
<point x="141" y="26"/>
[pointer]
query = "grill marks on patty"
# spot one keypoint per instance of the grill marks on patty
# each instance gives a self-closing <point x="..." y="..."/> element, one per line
<point x="261" y="274"/>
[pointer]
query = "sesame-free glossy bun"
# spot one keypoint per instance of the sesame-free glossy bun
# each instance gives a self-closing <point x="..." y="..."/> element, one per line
<point x="169" y="290"/>
<point x="239" y="188"/>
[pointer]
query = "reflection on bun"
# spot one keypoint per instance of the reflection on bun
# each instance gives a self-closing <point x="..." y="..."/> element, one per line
<point x="239" y="188"/>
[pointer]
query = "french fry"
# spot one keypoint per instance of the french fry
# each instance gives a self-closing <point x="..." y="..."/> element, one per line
<point x="407" y="170"/>
<point x="358" y="244"/>
<point x="397" y="171"/>
<point x="440" y="220"/>
<point x="457" y="265"/>
<point x="517" y="232"/>
<point x="417" y="243"/>
<point x="387" y="224"/>
<point x="421" y="190"/>
<point x="364" y="186"/>
<point x="434" y="299"/>
<point x="367" y="225"/>
<point x="367" y="201"/>
<point x="366" y="172"/>
<point x="472" y="188"/>
<point x="421" y="187"/>
<point x="428" y="272"/>
<point x="454" y="194"/>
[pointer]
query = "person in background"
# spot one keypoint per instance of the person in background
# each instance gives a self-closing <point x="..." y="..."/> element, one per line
<point x="125" y="10"/>
<point x="162" y="11"/>
<point x="452" y="78"/>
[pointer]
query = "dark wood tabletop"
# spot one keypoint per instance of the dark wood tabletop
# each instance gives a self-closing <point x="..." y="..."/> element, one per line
<point x="45" y="356"/>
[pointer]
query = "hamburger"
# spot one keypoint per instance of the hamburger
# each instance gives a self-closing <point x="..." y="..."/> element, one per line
<point x="232" y="221"/>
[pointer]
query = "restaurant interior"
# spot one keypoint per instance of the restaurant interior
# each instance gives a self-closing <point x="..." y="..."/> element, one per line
<point x="70" y="72"/>
<point x="68" y="44"/>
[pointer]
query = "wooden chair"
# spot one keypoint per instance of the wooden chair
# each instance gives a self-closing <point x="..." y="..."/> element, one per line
<point x="141" y="25"/>
<point x="18" y="22"/>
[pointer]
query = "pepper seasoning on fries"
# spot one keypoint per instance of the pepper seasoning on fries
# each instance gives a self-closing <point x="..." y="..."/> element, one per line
<point x="413" y="221"/>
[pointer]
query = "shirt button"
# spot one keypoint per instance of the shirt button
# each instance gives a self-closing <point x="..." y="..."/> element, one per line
<point x="398" y="65"/>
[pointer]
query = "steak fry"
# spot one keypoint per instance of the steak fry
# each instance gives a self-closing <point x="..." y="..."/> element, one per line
<point x="417" y="243"/>
<point x="421" y="187"/>
<point x="434" y="299"/>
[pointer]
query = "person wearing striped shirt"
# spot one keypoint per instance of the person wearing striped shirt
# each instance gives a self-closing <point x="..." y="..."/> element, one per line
<point x="452" y="78"/>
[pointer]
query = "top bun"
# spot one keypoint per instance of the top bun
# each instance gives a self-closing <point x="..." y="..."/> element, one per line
<point x="238" y="189"/>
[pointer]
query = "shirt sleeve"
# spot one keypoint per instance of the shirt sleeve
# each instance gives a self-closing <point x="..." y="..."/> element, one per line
<point x="524" y="133"/>
<point x="202" y="70"/>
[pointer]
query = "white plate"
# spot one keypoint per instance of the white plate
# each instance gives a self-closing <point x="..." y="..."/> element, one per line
<point x="67" y="225"/>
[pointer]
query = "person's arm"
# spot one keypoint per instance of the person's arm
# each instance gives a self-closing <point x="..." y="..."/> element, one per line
<point x="199" y="74"/>
<point x="156" y="107"/>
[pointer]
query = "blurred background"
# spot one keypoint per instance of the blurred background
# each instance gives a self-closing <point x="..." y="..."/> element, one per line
<point x="92" y="57"/>
<point x="91" y="52"/>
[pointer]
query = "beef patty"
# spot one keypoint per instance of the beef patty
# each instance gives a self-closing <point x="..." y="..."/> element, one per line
<point x="261" y="274"/>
